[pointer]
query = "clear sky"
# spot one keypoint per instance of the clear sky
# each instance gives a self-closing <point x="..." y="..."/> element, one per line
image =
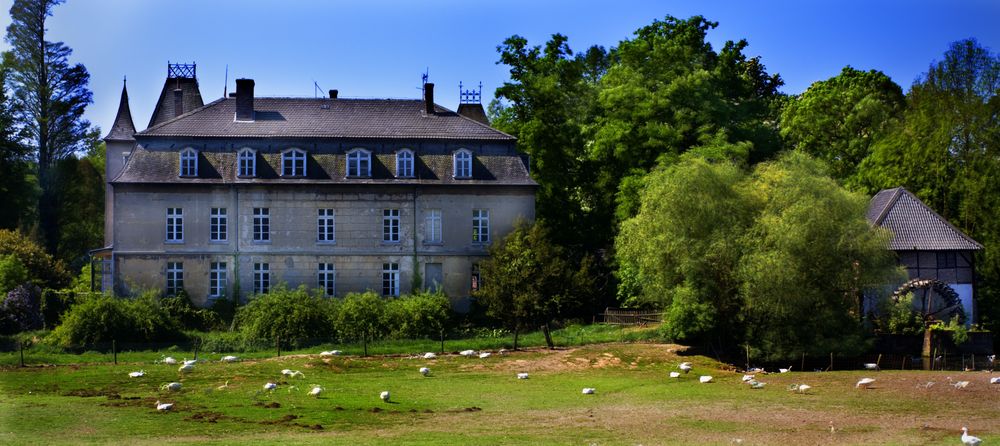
<point x="379" y="48"/>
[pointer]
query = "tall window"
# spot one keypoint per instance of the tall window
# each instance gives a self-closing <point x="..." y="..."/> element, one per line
<point x="175" y="225"/>
<point x="293" y="163"/>
<point x="480" y="226"/>
<point x="189" y="163"/>
<point x="390" y="225"/>
<point x="390" y="279"/>
<point x="261" y="224"/>
<point x="175" y="278"/>
<point x="432" y="226"/>
<point x="248" y="163"/>
<point x="463" y="164"/>
<point x="327" y="279"/>
<point x="477" y="280"/>
<point x="217" y="279"/>
<point x="404" y="163"/>
<point x="359" y="163"/>
<point x="218" y="223"/>
<point x="261" y="278"/>
<point x="325" y="226"/>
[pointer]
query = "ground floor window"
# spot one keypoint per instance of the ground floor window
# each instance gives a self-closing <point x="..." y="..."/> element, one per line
<point x="326" y="279"/>
<point x="217" y="279"/>
<point x="175" y="278"/>
<point x="261" y="278"/>
<point x="390" y="279"/>
<point x="476" y="278"/>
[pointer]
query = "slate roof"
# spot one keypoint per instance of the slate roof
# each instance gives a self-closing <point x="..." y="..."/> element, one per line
<point x="190" y="98"/>
<point x="915" y="226"/>
<point x="146" y="166"/>
<point x="123" y="128"/>
<point x="326" y="118"/>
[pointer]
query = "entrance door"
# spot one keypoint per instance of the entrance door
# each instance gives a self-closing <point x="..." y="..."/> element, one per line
<point x="433" y="277"/>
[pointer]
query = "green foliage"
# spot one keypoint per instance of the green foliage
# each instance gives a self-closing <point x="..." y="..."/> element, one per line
<point x="21" y="310"/>
<point x="362" y="316"/>
<point x="420" y="315"/>
<point x="79" y="193"/>
<point x="225" y="308"/>
<point x="838" y="120"/>
<point x="899" y="317"/>
<point x="56" y="303"/>
<point x="16" y="182"/>
<point x="776" y="258"/>
<point x="958" y="331"/>
<point x="101" y="319"/>
<point x="12" y="273"/>
<point x="294" y="316"/>
<point x="528" y="280"/>
<point x="190" y="317"/>
<point x="43" y="270"/>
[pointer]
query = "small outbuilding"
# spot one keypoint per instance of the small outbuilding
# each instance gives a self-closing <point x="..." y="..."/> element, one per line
<point x="927" y="245"/>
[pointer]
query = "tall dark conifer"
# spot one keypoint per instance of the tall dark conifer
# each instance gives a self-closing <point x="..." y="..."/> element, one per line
<point x="48" y="100"/>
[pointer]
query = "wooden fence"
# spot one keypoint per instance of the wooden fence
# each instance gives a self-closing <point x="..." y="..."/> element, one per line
<point x="618" y="316"/>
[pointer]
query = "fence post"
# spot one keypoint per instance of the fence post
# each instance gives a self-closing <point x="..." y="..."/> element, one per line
<point x="197" y="344"/>
<point x="831" y="362"/>
<point x="442" y="341"/>
<point x="802" y="366"/>
<point x="21" y="344"/>
<point x="277" y="343"/>
<point x="114" y="351"/>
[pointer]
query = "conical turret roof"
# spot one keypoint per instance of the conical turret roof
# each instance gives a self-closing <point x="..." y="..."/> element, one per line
<point x="123" y="129"/>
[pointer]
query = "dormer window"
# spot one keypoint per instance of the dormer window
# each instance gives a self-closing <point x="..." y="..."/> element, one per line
<point x="247" y="162"/>
<point x="189" y="162"/>
<point x="463" y="164"/>
<point x="404" y="163"/>
<point x="359" y="163"/>
<point x="293" y="163"/>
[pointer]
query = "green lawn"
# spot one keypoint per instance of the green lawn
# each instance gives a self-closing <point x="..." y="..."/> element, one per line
<point x="480" y="401"/>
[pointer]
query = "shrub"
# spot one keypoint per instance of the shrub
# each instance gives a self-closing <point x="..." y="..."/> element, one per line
<point x="21" y="310"/>
<point x="12" y="273"/>
<point x="420" y="315"/>
<point x="294" y="316"/>
<point x="56" y="303"/>
<point x="189" y="316"/>
<point x="362" y="316"/>
<point x="225" y="309"/>
<point x="43" y="270"/>
<point x="899" y="317"/>
<point x="104" y="318"/>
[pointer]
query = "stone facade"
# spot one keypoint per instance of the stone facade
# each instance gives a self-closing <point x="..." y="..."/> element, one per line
<point x="431" y="209"/>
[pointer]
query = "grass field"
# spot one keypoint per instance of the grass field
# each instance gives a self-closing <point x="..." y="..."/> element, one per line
<point x="480" y="401"/>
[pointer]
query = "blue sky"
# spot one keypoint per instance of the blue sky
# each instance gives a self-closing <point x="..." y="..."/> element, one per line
<point x="379" y="48"/>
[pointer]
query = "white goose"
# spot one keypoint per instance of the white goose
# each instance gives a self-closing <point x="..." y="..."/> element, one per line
<point x="467" y="353"/>
<point x="425" y="371"/>
<point x="270" y="386"/>
<point x="169" y="361"/>
<point x="430" y="355"/>
<point x="589" y="390"/>
<point x="705" y="379"/>
<point x="186" y="368"/>
<point x="173" y="387"/>
<point x="675" y="374"/>
<point x="316" y="390"/>
<point x="138" y="374"/>
<point x="230" y="358"/>
<point x="685" y="367"/>
<point x="522" y="375"/>
<point x="864" y="382"/>
<point x="969" y="440"/>
<point x="163" y="407"/>
<point x="384" y="396"/>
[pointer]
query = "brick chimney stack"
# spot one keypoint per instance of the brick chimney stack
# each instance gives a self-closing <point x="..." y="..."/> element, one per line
<point x="244" y="99"/>
<point x="429" y="98"/>
<point x="178" y="102"/>
<point x="333" y="94"/>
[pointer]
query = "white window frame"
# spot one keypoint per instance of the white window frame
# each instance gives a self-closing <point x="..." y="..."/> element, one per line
<point x="326" y="225"/>
<point x="432" y="226"/>
<point x="390" y="226"/>
<point x="188" y="162"/>
<point x="480" y="226"/>
<point x="326" y="279"/>
<point x="462" y="163"/>
<point x="175" y="225"/>
<point x="296" y="159"/>
<point x="356" y="159"/>
<point x="175" y="278"/>
<point x="246" y="163"/>
<point x="217" y="280"/>
<point x="261" y="278"/>
<point x="390" y="279"/>
<point x="404" y="163"/>
<point x="218" y="225"/>
<point x="476" y="279"/>
<point x="262" y="225"/>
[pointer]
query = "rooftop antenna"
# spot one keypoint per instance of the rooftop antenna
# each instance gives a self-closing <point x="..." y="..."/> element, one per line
<point x="225" y="85"/>
<point x="423" y="77"/>
<point x="316" y="89"/>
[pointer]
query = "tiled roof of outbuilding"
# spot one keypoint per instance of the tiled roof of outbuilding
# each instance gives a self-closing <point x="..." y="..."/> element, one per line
<point x="218" y="167"/>
<point x="325" y="118"/>
<point x="915" y="226"/>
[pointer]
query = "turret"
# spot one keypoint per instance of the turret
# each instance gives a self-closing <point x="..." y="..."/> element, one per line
<point x="118" y="145"/>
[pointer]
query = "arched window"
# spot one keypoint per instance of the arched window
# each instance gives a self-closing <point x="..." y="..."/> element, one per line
<point x="189" y="162"/>
<point x="404" y="163"/>
<point x="359" y="163"/>
<point x="247" y="162"/>
<point x="293" y="163"/>
<point x="463" y="163"/>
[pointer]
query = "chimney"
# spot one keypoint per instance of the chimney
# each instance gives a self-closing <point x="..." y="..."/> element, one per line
<point x="244" y="99"/>
<point x="333" y="94"/>
<point x="178" y="102"/>
<point x="429" y="98"/>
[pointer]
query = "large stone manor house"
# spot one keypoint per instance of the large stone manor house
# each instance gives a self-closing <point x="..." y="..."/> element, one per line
<point x="228" y="199"/>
